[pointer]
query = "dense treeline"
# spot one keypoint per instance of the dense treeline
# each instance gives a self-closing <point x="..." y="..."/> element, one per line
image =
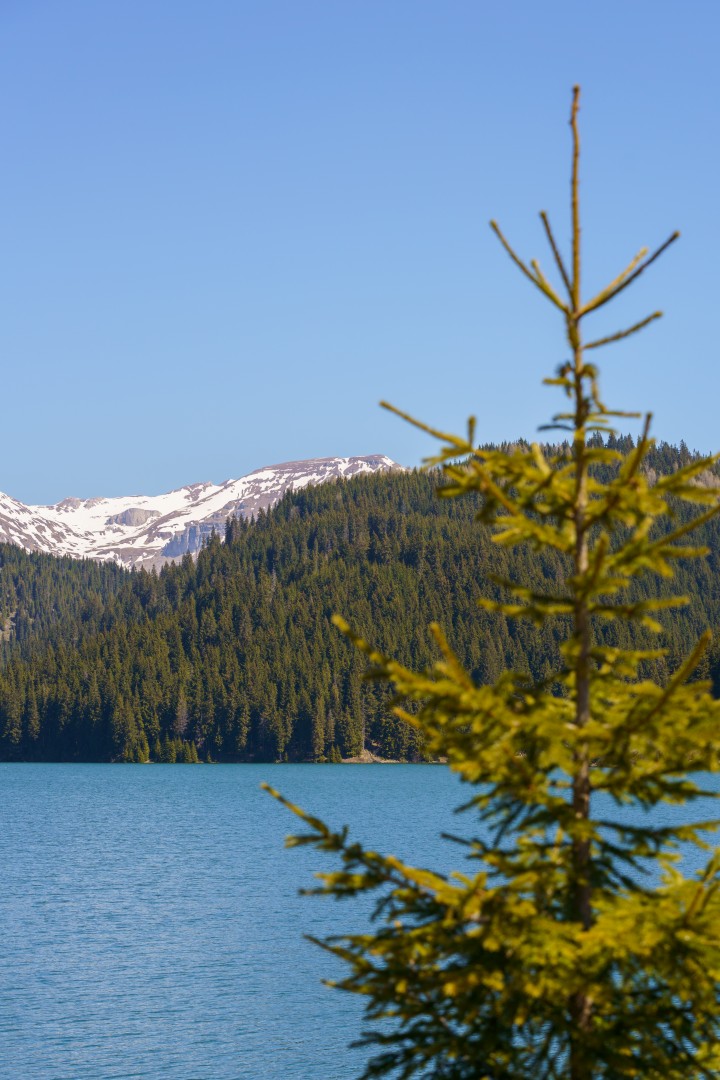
<point x="232" y="657"/>
<point x="46" y="598"/>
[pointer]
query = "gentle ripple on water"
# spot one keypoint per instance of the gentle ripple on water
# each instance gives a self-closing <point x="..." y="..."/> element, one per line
<point x="150" y="924"/>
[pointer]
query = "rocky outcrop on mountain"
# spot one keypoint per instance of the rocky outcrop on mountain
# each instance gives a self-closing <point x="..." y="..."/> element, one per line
<point x="147" y="530"/>
<point x="133" y="516"/>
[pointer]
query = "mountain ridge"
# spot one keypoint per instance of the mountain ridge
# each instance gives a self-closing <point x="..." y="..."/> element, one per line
<point x="149" y="530"/>
<point x="233" y="656"/>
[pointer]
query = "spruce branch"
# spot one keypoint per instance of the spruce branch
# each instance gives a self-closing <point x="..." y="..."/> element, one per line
<point x="610" y="293"/>
<point x="605" y="294"/>
<point x="538" y="282"/>
<point x="556" y="252"/>
<point x="546" y="286"/>
<point x="621" y="334"/>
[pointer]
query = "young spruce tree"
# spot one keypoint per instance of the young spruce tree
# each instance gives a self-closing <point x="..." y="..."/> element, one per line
<point x="558" y="958"/>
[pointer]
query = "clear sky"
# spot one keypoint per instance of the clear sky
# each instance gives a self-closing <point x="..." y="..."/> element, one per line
<point x="228" y="228"/>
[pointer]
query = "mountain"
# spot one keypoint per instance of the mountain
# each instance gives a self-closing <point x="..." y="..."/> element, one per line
<point x="145" y="530"/>
<point x="233" y="656"/>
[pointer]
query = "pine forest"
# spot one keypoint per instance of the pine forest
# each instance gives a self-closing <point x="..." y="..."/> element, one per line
<point x="233" y="656"/>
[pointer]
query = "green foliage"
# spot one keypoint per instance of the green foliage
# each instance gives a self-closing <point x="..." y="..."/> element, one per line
<point x="236" y="652"/>
<point x="555" y="959"/>
<point x="42" y="597"/>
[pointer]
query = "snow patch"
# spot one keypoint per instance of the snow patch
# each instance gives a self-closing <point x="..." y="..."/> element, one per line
<point x="135" y="529"/>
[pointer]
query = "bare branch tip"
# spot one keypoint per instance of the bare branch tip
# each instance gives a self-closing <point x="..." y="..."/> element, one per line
<point x="575" y="105"/>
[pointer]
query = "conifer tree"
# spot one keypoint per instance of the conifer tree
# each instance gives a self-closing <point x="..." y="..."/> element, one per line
<point x="558" y="958"/>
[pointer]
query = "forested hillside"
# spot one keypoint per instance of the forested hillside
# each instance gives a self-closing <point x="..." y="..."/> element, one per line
<point x="44" y="598"/>
<point x="233" y="657"/>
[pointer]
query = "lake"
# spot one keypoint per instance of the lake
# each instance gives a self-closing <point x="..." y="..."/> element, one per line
<point x="150" y="925"/>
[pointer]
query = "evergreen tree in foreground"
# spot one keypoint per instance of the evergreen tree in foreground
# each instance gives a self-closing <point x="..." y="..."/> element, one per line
<point x="559" y="957"/>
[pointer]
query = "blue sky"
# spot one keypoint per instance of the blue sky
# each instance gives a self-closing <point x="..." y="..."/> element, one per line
<point x="228" y="229"/>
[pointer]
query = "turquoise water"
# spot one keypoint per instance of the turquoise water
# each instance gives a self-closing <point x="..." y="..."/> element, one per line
<point x="150" y="925"/>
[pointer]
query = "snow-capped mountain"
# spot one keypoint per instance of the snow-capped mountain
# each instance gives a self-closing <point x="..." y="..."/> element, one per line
<point x="142" y="530"/>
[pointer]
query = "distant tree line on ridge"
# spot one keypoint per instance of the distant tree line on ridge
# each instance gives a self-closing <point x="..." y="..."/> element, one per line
<point x="232" y="657"/>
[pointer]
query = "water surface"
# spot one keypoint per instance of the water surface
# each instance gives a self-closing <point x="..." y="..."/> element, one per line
<point x="150" y="925"/>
